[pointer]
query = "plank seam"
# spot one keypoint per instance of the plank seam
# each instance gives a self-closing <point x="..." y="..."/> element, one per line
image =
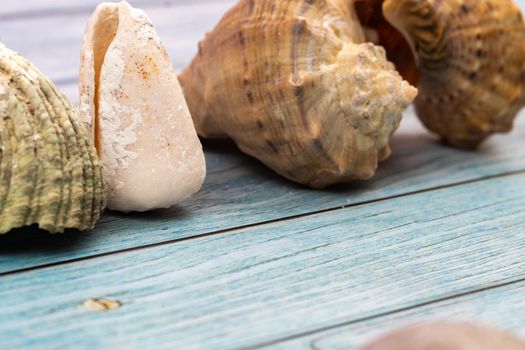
<point x="377" y="316"/>
<point x="79" y="10"/>
<point x="261" y="223"/>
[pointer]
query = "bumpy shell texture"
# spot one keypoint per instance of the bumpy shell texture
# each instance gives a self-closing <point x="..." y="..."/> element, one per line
<point x="49" y="173"/>
<point x="296" y="85"/>
<point x="446" y="336"/>
<point x="471" y="57"/>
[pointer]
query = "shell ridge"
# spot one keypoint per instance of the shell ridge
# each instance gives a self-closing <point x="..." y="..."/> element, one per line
<point x="45" y="170"/>
<point x="24" y="90"/>
<point x="37" y="98"/>
<point x="6" y="161"/>
<point x="69" y="157"/>
<point x="85" y="154"/>
<point x="56" y="220"/>
<point x="5" y="68"/>
<point x="62" y="177"/>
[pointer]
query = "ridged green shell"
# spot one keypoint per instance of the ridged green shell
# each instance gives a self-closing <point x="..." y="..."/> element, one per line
<point x="50" y="174"/>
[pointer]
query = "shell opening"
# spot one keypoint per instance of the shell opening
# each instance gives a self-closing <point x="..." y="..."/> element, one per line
<point x="381" y="32"/>
<point x="105" y="31"/>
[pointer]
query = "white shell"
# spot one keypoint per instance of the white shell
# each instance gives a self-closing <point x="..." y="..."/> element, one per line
<point x="132" y="101"/>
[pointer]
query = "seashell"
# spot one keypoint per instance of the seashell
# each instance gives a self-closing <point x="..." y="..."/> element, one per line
<point x="132" y="102"/>
<point x="446" y="336"/>
<point x="471" y="63"/>
<point x="49" y="173"/>
<point x="296" y="85"/>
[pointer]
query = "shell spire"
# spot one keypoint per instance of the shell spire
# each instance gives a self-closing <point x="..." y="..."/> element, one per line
<point x="296" y="85"/>
<point x="471" y="59"/>
<point x="49" y="173"/>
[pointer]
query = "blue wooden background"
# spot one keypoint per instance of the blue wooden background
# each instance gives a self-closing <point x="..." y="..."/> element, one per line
<point x="254" y="261"/>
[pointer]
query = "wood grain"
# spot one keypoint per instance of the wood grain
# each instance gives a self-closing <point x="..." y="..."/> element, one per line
<point x="422" y="233"/>
<point x="12" y="10"/>
<point x="260" y="284"/>
<point x="500" y="307"/>
<point x="53" y="43"/>
<point x="239" y="191"/>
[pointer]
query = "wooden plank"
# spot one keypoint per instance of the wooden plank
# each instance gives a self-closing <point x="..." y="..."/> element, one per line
<point x="500" y="307"/>
<point x="259" y="284"/>
<point x="15" y="10"/>
<point x="243" y="196"/>
<point x="240" y="191"/>
<point x="53" y="43"/>
<point x="12" y="10"/>
<point x="240" y="196"/>
<point x="247" y="193"/>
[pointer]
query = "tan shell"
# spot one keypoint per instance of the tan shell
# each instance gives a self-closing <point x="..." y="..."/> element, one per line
<point x="446" y="336"/>
<point x="132" y="102"/>
<point x="50" y="175"/>
<point x="296" y="85"/>
<point x="471" y="62"/>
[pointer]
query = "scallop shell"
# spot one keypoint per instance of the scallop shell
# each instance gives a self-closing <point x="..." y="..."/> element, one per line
<point x="132" y="102"/>
<point x="446" y="336"/>
<point x="471" y="58"/>
<point x="296" y="85"/>
<point x="49" y="173"/>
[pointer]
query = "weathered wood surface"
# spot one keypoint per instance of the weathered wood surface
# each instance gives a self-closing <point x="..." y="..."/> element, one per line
<point x="239" y="191"/>
<point x="500" y="307"/>
<point x="253" y="259"/>
<point x="270" y="282"/>
<point x="15" y="10"/>
<point x="53" y="42"/>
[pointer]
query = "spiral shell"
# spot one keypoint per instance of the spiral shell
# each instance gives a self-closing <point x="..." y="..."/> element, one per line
<point x="49" y="173"/>
<point x="471" y="62"/>
<point x="296" y="85"/>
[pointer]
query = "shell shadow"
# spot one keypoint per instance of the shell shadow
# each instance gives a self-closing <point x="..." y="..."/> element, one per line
<point x="175" y="212"/>
<point x="31" y="239"/>
<point x="402" y="160"/>
<point x="262" y="174"/>
<point x="230" y="154"/>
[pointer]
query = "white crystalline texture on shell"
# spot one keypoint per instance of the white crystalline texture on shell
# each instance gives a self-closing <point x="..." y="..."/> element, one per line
<point x="146" y="139"/>
<point x="87" y="76"/>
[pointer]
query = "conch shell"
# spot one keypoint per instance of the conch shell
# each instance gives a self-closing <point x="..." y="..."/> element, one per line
<point x="49" y="173"/>
<point x="296" y="85"/>
<point x="132" y="102"/>
<point x="446" y="336"/>
<point x="470" y="62"/>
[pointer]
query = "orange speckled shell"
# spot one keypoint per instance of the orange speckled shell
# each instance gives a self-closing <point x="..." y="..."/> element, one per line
<point x="295" y="85"/>
<point x="471" y="57"/>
